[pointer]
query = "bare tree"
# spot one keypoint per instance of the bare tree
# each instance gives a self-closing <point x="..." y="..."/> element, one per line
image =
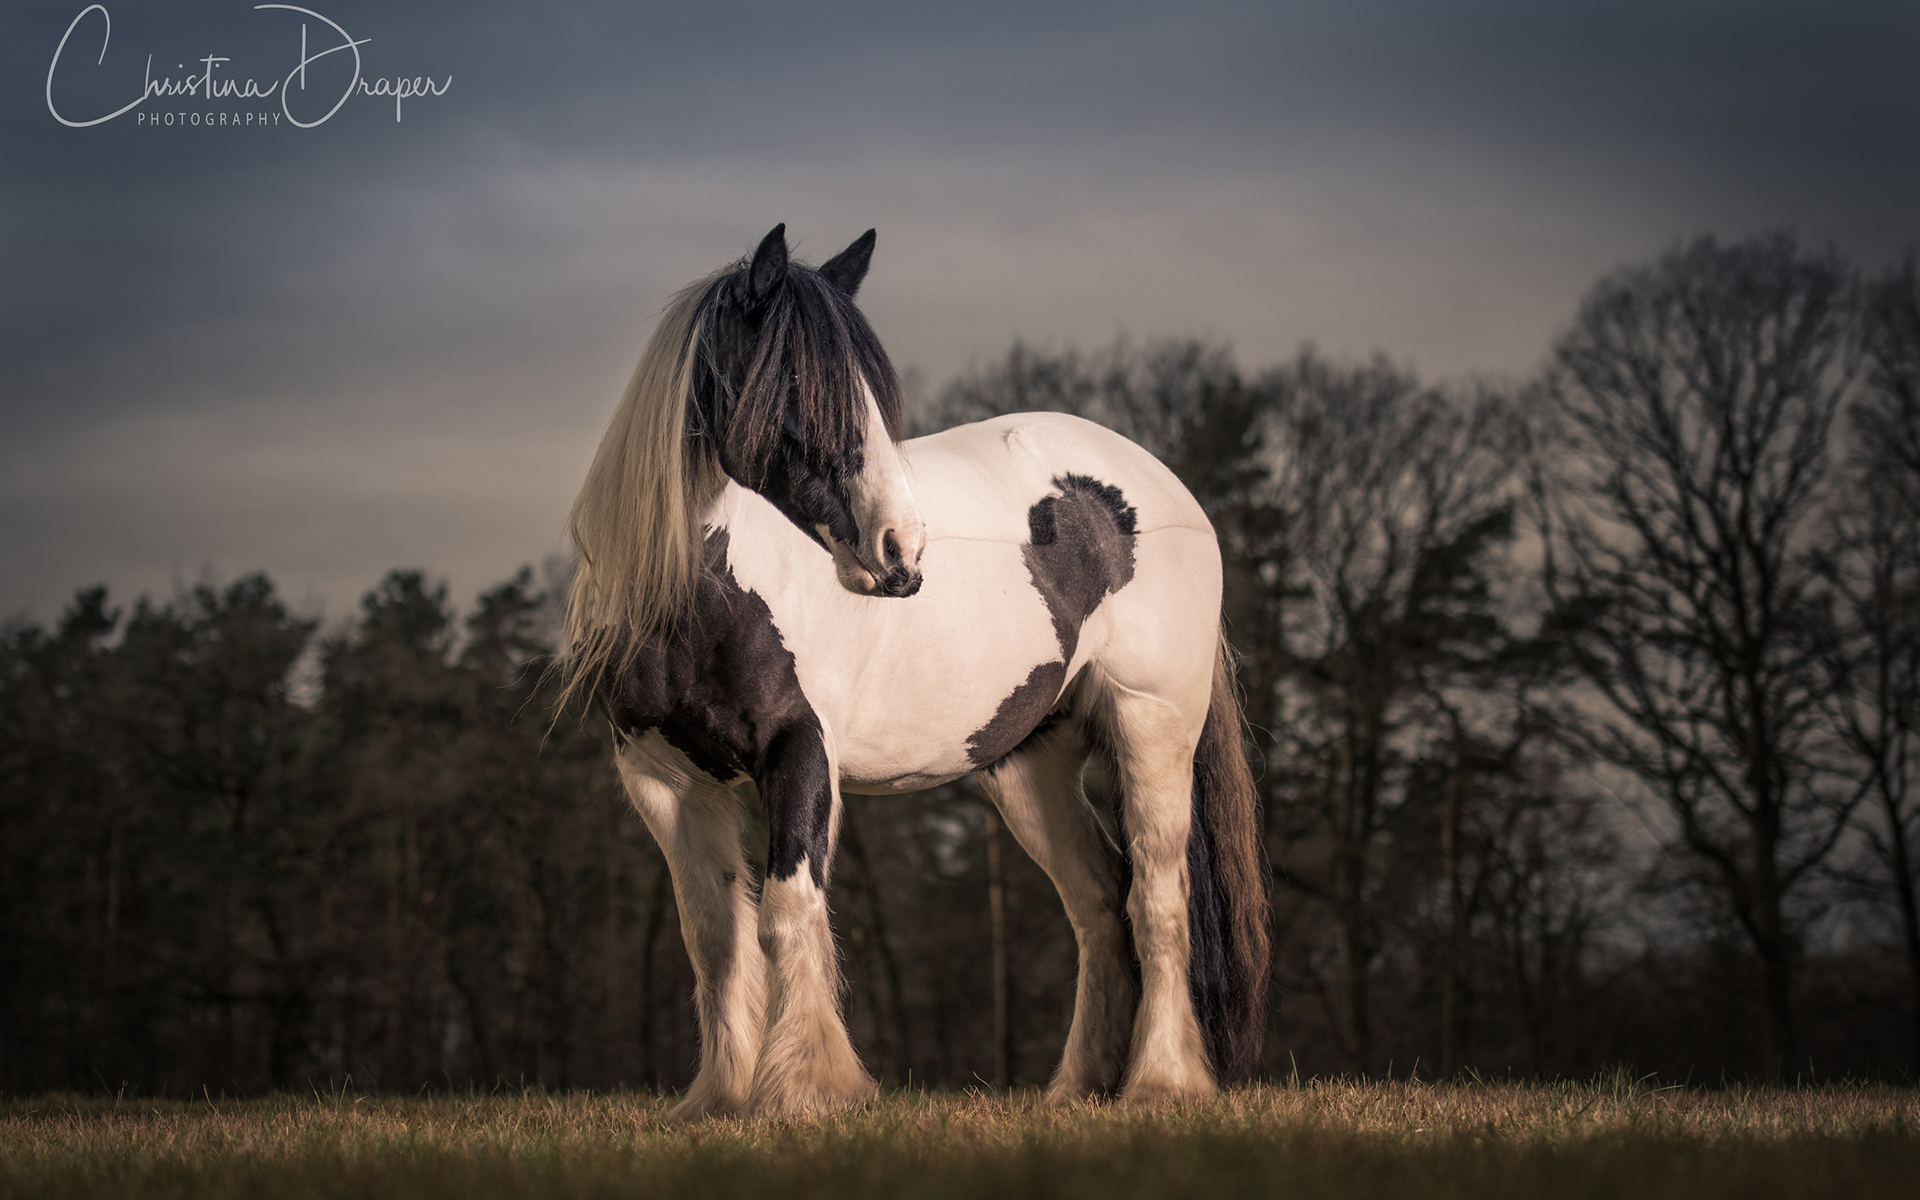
<point x="1696" y="396"/>
<point x="1397" y="503"/>
<point x="1148" y="391"/>
<point x="1873" y="564"/>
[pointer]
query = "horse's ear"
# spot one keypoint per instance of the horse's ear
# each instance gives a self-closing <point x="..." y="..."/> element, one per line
<point x="846" y="269"/>
<point x="767" y="271"/>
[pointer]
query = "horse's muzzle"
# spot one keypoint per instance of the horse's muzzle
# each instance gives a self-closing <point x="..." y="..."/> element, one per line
<point x="899" y="583"/>
<point x="898" y="580"/>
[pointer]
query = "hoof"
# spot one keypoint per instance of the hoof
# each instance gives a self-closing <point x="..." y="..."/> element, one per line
<point x="696" y="1107"/>
<point x="796" y="1100"/>
<point x="1161" y="1092"/>
<point x="1065" y="1093"/>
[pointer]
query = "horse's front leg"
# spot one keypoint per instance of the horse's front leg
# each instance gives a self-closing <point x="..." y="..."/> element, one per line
<point x="697" y="822"/>
<point x="807" y="1064"/>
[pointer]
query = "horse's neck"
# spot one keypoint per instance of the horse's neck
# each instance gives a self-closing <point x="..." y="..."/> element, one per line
<point x="723" y="511"/>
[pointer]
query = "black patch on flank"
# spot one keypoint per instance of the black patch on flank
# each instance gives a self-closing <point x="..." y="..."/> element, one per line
<point x="723" y="691"/>
<point x="1080" y="550"/>
<point x="1018" y="715"/>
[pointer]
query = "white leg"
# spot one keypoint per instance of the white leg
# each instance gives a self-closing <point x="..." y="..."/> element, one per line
<point x="1037" y="790"/>
<point x="1154" y="744"/>
<point x="807" y="1064"/>
<point x="697" y="823"/>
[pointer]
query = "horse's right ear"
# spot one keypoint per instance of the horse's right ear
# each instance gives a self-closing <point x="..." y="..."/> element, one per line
<point x="846" y="269"/>
<point x="766" y="272"/>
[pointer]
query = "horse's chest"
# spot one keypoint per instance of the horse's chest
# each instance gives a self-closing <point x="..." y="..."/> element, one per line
<point x="721" y="689"/>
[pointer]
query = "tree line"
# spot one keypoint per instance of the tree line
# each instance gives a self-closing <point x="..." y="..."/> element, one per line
<point x="1583" y="708"/>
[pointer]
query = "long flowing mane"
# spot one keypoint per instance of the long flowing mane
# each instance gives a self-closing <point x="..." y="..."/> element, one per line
<point x="636" y="526"/>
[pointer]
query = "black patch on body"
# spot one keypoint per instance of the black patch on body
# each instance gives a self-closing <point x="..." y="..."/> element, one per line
<point x="1079" y="550"/>
<point x="1018" y="715"/>
<point x="724" y="692"/>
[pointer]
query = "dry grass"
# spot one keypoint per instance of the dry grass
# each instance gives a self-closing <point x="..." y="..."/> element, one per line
<point x="1606" y="1138"/>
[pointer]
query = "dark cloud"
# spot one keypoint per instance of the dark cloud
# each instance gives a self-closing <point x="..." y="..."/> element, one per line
<point x="328" y="351"/>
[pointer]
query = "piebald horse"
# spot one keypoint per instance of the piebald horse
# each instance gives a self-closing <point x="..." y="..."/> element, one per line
<point x="772" y="586"/>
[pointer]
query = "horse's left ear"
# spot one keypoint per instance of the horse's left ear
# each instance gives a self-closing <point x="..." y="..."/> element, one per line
<point x="846" y="269"/>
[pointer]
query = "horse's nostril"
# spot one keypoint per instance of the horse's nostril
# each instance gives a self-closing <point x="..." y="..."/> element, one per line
<point x="890" y="546"/>
<point x="899" y="582"/>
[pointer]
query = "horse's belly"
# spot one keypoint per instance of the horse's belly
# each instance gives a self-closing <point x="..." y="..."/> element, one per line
<point x="931" y="674"/>
<point x="903" y="746"/>
<point x="897" y="786"/>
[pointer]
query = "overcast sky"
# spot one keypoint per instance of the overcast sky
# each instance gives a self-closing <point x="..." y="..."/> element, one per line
<point x="329" y="351"/>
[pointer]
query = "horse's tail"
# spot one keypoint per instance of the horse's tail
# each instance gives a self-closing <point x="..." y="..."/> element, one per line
<point x="1227" y="909"/>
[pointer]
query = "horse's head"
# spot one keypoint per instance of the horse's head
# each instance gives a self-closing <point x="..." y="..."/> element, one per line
<point x="803" y="407"/>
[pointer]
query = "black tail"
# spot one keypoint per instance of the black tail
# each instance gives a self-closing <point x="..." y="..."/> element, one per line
<point x="1227" y="907"/>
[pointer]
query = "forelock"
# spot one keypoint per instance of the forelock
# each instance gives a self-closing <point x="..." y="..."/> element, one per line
<point x="815" y="346"/>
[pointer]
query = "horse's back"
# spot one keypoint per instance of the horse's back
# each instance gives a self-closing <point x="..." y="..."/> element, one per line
<point x="1016" y="459"/>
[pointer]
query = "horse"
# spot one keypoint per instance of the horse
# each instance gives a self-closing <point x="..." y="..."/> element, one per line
<point x="771" y="585"/>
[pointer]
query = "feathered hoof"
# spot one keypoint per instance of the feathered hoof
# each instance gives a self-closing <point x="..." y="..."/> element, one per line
<point x="1074" y="1093"/>
<point x="1149" y="1091"/>
<point x="791" y="1098"/>
<point x="699" y="1106"/>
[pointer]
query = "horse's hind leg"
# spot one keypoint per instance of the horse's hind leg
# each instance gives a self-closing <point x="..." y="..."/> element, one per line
<point x="807" y="1064"/>
<point x="1153" y="747"/>
<point x="697" y="823"/>
<point x="1037" y="790"/>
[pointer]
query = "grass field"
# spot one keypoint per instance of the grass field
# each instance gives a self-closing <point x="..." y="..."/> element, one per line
<point x="1610" y="1137"/>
